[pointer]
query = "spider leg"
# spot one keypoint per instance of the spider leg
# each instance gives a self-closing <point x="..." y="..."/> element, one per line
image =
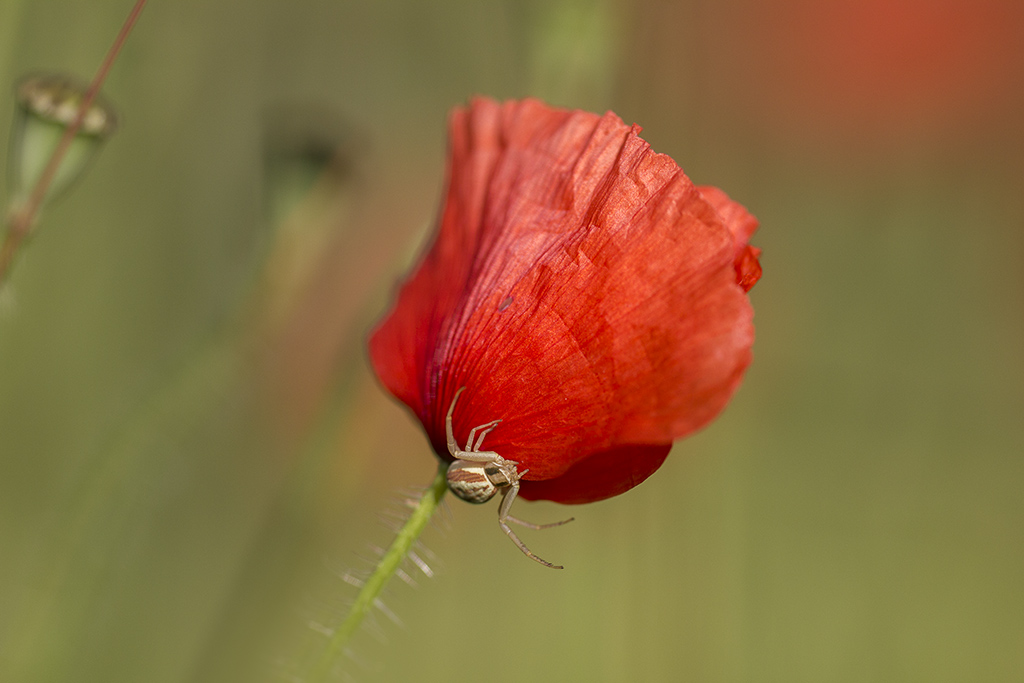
<point x="531" y="525"/>
<point x="453" y="447"/>
<point x="487" y="429"/>
<point x="509" y="496"/>
<point x="478" y="456"/>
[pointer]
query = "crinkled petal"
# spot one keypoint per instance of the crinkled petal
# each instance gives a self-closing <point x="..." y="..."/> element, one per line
<point x="579" y="286"/>
<point x="742" y="226"/>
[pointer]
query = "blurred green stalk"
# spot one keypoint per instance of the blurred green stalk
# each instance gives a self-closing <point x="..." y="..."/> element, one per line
<point x="94" y="521"/>
<point x="574" y="52"/>
<point x="10" y="24"/>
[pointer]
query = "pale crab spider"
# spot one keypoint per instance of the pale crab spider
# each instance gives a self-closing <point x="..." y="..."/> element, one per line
<point x="476" y="476"/>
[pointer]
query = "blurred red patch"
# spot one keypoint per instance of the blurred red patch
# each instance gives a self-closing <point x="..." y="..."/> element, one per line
<point x="871" y="69"/>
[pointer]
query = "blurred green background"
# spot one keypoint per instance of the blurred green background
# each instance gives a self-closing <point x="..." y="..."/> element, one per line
<point x="194" y="455"/>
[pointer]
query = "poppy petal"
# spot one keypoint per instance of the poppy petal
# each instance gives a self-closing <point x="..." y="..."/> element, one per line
<point x="602" y="475"/>
<point x="742" y="226"/>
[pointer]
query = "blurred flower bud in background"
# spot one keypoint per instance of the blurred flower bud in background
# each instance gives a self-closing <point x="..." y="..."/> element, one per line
<point x="46" y="105"/>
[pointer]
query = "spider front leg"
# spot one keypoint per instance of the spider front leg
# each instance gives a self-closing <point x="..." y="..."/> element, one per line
<point x="487" y="429"/>
<point x="453" y="446"/>
<point x="472" y="452"/>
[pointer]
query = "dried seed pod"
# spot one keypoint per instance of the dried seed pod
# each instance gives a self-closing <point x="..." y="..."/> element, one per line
<point x="47" y="105"/>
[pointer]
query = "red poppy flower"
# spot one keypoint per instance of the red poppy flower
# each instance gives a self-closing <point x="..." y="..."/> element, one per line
<point x="582" y="290"/>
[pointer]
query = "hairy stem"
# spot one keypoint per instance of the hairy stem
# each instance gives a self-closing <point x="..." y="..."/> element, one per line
<point x="324" y="666"/>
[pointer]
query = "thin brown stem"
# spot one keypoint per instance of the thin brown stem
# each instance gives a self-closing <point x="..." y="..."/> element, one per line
<point x="20" y="222"/>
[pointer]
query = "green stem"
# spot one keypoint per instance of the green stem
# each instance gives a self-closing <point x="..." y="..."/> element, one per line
<point x="371" y="590"/>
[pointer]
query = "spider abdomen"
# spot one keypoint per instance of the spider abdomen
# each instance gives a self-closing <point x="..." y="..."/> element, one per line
<point x="470" y="481"/>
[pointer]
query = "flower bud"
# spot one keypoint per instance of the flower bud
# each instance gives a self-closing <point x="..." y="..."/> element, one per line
<point x="584" y="292"/>
<point x="47" y="105"/>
